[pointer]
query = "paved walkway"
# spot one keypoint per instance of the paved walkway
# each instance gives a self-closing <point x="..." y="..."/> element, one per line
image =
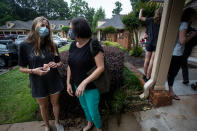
<point x="180" y="116"/>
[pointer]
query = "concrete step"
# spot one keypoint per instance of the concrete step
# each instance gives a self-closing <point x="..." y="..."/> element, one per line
<point x="192" y="61"/>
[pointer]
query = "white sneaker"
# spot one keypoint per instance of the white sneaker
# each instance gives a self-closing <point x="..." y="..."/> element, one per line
<point x="59" y="127"/>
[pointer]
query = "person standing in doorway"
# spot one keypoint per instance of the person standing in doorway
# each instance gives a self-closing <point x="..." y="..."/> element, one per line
<point x="177" y="55"/>
<point x="187" y="52"/>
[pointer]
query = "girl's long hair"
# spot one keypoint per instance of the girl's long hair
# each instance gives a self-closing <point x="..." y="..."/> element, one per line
<point x="34" y="38"/>
<point x="158" y="15"/>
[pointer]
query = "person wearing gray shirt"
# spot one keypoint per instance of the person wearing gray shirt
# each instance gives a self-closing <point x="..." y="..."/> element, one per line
<point x="177" y="55"/>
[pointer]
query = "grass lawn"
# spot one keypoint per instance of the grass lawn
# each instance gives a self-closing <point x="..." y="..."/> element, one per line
<point x="16" y="102"/>
<point x="64" y="48"/>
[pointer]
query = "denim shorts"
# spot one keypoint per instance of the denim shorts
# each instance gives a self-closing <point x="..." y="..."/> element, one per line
<point x="150" y="48"/>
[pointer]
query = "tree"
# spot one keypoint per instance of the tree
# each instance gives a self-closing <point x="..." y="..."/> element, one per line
<point x="78" y="7"/>
<point x="109" y="30"/>
<point x="65" y="29"/>
<point x="118" y="8"/>
<point x="89" y="15"/>
<point x="30" y="9"/>
<point x="100" y="14"/>
<point x="134" y="3"/>
<point x="5" y="13"/>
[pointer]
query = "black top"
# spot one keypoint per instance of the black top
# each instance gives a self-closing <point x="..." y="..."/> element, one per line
<point x="51" y="80"/>
<point x="152" y="30"/>
<point x="81" y="60"/>
<point x="28" y="58"/>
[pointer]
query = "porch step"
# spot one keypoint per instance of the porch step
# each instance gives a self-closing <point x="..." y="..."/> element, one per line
<point x="192" y="61"/>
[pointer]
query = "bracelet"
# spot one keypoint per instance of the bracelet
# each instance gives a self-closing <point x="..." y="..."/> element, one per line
<point x="31" y="71"/>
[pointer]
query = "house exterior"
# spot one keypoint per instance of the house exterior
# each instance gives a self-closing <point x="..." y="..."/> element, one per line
<point x="23" y="27"/>
<point x="122" y="36"/>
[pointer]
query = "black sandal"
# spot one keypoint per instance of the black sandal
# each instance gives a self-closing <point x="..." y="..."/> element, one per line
<point x="175" y="97"/>
<point x="194" y="86"/>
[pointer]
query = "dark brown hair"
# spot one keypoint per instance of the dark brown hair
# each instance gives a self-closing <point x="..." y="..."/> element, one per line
<point x="81" y="28"/>
<point x="187" y="14"/>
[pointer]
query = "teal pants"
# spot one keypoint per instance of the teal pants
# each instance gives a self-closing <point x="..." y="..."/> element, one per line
<point x="90" y="104"/>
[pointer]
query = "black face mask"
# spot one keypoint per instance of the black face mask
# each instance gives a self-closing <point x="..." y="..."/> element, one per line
<point x="71" y="34"/>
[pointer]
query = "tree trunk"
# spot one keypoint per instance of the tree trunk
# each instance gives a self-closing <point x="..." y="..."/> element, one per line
<point x="136" y="38"/>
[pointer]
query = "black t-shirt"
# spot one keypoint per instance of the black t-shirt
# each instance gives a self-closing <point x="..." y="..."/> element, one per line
<point x="51" y="81"/>
<point x="152" y="30"/>
<point x="27" y="56"/>
<point x="81" y="60"/>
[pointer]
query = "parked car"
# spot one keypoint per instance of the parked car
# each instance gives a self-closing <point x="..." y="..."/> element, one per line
<point x="59" y="42"/>
<point x="63" y="39"/>
<point x="8" y="36"/>
<point x="19" y="41"/>
<point x="8" y="53"/>
<point x="21" y="36"/>
<point x="2" y="36"/>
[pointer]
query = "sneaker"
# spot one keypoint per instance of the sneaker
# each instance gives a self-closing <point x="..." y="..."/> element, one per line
<point x="59" y="127"/>
<point x="144" y="77"/>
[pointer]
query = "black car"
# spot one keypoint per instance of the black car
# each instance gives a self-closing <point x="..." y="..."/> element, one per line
<point x="8" y="53"/>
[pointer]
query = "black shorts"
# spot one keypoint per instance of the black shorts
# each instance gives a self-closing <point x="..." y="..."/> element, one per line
<point x="150" y="48"/>
<point x="43" y="86"/>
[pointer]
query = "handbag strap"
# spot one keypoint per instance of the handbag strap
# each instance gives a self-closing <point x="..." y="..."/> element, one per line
<point x="91" y="47"/>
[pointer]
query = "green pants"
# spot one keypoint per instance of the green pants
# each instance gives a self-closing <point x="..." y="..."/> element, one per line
<point x="90" y="102"/>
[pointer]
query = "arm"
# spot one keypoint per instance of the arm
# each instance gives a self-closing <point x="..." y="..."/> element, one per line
<point x="183" y="38"/>
<point x="68" y="75"/>
<point x="36" y="71"/>
<point x="25" y="70"/>
<point x="141" y="15"/>
<point x="99" y="59"/>
<point x="69" y="87"/>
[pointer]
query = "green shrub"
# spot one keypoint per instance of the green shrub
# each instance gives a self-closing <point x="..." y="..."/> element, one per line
<point x="109" y="30"/>
<point x="65" y="29"/>
<point x="131" y="80"/>
<point x="109" y="43"/>
<point x="120" y="97"/>
<point x="118" y="100"/>
<point x="55" y="32"/>
<point x="136" y="52"/>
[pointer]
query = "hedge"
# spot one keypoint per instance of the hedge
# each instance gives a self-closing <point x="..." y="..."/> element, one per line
<point x="109" y="43"/>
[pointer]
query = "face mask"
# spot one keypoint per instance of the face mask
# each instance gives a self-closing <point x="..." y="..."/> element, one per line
<point x="71" y="34"/>
<point x="44" y="31"/>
